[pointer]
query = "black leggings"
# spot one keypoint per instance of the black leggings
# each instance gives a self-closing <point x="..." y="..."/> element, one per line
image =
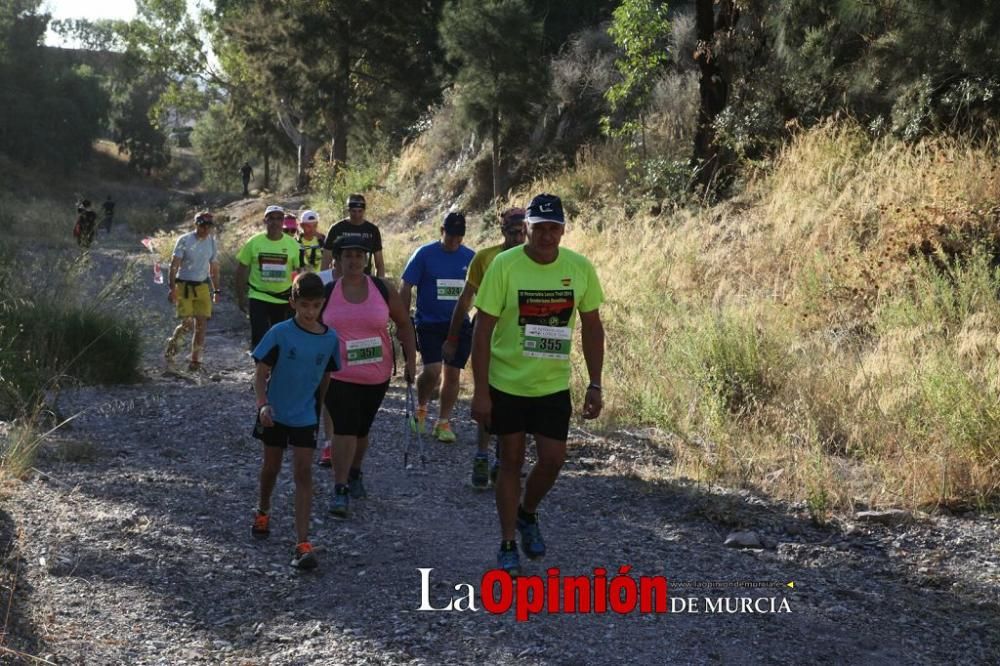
<point x="263" y="316"/>
<point x="353" y="406"/>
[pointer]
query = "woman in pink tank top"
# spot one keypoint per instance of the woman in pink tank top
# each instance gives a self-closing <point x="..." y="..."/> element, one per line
<point x="359" y="309"/>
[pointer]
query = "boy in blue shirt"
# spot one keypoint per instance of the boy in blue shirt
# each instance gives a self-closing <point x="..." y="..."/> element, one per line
<point x="438" y="271"/>
<point x="294" y="362"/>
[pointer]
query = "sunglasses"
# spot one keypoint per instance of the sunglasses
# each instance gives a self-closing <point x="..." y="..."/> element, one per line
<point x="356" y="207"/>
<point x="275" y="218"/>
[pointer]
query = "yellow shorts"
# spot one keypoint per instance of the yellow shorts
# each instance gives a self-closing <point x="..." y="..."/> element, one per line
<point x="194" y="300"/>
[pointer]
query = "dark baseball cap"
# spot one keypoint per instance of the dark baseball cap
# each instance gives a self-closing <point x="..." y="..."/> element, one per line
<point x="545" y="208"/>
<point x="349" y="242"/>
<point x="454" y="224"/>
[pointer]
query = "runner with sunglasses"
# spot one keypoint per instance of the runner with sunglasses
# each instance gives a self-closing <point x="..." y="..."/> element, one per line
<point x="356" y="227"/>
<point x="267" y="264"/>
<point x="512" y="228"/>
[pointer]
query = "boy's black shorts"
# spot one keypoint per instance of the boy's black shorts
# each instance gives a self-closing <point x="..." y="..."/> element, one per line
<point x="546" y="415"/>
<point x="282" y="436"/>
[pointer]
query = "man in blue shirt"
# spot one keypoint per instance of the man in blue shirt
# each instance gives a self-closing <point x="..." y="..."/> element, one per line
<point x="438" y="271"/>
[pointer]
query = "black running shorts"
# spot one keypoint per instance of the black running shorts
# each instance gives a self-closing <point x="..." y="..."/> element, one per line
<point x="546" y="415"/>
<point x="281" y="436"/>
<point x="353" y="406"/>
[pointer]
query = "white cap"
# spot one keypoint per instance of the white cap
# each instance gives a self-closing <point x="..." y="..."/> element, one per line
<point x="273" y="209"/>
<point x="309" y="217"/>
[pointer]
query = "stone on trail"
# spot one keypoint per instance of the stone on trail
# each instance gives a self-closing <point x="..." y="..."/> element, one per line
<point x="887" y="517"/>
<point x="744" y="539"/>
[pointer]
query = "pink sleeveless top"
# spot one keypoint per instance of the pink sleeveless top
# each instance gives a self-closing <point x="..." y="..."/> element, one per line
<point x="365" y="349"/>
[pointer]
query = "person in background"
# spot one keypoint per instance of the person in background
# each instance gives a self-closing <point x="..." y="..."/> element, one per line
<point x="290" y="225"/>
<point x="310" y="241"/>
<point x="266" y="264"/>
<point x="109" y="213"/>
<point x="438" y="270"/>
<point x="246" y="173"/>
<point x="512" y="229"/>
<point x="356" y="226"/>
<point x="193" y="287"/>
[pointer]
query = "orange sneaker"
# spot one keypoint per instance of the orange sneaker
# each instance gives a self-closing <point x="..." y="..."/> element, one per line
<point x="325" y="459"/>
<point x="261" y="525"/>
<point x="304" y="557"/>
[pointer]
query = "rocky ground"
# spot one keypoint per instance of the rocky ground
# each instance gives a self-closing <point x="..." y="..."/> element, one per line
<point x="130" y="544"/>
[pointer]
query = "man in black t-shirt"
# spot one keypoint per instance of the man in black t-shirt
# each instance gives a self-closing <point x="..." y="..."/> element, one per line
<point x="356" y="226"/>
<point x="246" y="173"/>
<point x="109" y="213"/>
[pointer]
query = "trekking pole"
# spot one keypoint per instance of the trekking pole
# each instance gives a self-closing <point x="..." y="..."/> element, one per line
<point x="421" y="449"/>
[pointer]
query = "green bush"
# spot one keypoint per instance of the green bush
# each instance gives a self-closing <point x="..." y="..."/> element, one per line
<point x="334" y="185"/>
<point x="49" y="343"/>
<point x="731" y="360"/>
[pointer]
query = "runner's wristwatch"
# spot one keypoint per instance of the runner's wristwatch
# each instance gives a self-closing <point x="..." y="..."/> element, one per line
<point x="596" y="387"/>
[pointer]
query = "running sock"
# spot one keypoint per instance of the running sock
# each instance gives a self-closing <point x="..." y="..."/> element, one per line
<point x="354" y="474"/>
<point x="523" y="515"/>
<point x="340" y="488"/>
<point x="483" y="455"/>
<point x="508" y="546"/>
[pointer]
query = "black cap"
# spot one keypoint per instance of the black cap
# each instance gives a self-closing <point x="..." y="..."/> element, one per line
<point x="351" y="241"/>
<point x="545" y="208"/>
<point x="454" y="224"/>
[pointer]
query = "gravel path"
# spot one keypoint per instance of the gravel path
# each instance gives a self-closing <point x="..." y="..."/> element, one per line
<point x="131" y="545"/>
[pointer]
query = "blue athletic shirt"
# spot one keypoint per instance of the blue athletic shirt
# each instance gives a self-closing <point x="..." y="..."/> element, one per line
<point x="439" y="277"/>
<point x="298" y="360"/>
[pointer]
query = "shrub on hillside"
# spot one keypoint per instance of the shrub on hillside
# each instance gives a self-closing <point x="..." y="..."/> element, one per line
<point x="52" y="342"/>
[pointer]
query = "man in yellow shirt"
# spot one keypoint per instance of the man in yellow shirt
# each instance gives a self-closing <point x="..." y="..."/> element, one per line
<point x="512" y="228"/>
<point x="267" y="265"/>
<point x="528" y="303"/>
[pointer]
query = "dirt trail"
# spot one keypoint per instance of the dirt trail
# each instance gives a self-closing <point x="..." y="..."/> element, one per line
<point x="136" y="546"/>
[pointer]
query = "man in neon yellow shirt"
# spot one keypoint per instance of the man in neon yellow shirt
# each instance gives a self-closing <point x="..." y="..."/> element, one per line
<point x="267" y="264"/>
<point x="512" y="228"/>
<point x="527" y="304"/>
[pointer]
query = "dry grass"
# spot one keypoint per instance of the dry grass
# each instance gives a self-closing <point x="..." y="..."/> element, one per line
<point x="859" y="268"/>
<point x="830" y="336"/>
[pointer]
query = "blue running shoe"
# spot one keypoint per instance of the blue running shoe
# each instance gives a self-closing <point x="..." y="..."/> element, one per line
<point x="509" y="561"/>
<point x="357" y="488"/>
<point x="339" y="507"/>
<point x="531" y="539"/>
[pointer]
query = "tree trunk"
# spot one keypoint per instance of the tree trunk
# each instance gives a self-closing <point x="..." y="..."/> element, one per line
<point x="495" y="129"/>
<point x="341" y="98"/>
<point x="302" y="162"/>
<point x="713" y="89"/>
<point x="267" y="169"/>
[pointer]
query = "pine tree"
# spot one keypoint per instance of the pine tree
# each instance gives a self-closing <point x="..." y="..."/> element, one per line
<point x="500" y="72"/>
